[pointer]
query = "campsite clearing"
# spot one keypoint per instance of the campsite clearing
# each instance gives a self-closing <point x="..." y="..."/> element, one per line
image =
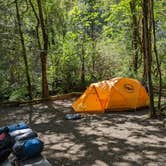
<point x="114" y="138"/>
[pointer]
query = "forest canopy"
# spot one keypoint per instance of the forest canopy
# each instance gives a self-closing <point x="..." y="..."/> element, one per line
<point x="58" y="46"/>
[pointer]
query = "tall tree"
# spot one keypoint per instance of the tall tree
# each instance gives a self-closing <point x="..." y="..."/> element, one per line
<point x="82" y="56"/>
<point x="19" y="21"/>
<point x="44" y="49"/>
<point x="156" y="55"/>
<point x="135" y="29"/>
<point x="93" y="26"/>
<point x="147" y="42"/>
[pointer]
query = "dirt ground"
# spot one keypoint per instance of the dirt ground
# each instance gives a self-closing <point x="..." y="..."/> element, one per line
<point x="116" y="138"/>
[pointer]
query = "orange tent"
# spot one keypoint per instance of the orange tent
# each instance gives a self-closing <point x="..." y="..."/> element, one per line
<point x="115" y="94"/>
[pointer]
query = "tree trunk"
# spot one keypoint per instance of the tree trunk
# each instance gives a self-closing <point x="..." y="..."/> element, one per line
<point x="45" y="92"/>
<point x="147" y="30"/>
<point x="29" y="87"/>
<point x="43" y="52"/>
<point x="38" y="23"/>
<point x="144" y="53"/>
<point x="92" y="34"/>
<point x="83" y="66"/>
<point x="135" y="30"/>
<point x="157" y="59"/>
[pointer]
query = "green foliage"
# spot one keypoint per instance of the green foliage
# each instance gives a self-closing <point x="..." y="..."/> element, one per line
<point x="94" y="37"/>
<point x="18" y="94"/>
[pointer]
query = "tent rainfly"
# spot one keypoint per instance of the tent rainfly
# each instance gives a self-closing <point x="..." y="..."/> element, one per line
<point x="117" y="94"/>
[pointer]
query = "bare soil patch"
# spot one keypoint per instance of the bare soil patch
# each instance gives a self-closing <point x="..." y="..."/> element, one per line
<point x="116" y="138"/>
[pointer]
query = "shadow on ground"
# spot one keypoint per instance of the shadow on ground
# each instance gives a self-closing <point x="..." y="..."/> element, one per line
<point x="122" y="138"/>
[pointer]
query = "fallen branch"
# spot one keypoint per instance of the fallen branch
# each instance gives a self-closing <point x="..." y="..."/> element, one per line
<point x="35" y="101"/>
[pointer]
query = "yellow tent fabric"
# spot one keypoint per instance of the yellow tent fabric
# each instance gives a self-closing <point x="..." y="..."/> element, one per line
<point x="115" y="94"/>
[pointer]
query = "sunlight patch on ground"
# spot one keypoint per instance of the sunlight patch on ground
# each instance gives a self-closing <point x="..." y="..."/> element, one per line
<point x="99" y="163"/>
<point x="132" y="156"/>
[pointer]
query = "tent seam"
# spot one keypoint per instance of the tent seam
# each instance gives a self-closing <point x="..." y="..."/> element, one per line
<point x="98" y="98"/>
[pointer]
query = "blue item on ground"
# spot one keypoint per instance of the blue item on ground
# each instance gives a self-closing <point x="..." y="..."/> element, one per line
<point x="26" y="136"/>
<point x="18" y="126"/>
<point x="73" y="116"/>
<point x="27" y="144"/>
<point x="28" y="148"/>
<point x="20" y="132"/>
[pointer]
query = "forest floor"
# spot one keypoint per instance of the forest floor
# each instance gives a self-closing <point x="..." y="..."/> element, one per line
<point x="115" y="138"/>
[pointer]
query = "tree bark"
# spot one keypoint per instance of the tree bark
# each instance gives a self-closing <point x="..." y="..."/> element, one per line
<point x="92" y="32"/>
<point x="38" y="23"/>
<point x="43" y="51"/>
<point x="135" y="30"/>
<point x="144" y="53"/>
<point x="83" y="65"/>
<point x="157" y="58"/>
<point x="147" y="30"/>
<point x="29" y="87"/>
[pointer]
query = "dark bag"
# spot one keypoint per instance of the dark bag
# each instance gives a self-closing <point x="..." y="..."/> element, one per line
<point x="26" y="136"/>
<point x="6" y="163"/>
<point x="4" y="154"/>
<point x="6" y="141"/>
<point x="27" y="149"/>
